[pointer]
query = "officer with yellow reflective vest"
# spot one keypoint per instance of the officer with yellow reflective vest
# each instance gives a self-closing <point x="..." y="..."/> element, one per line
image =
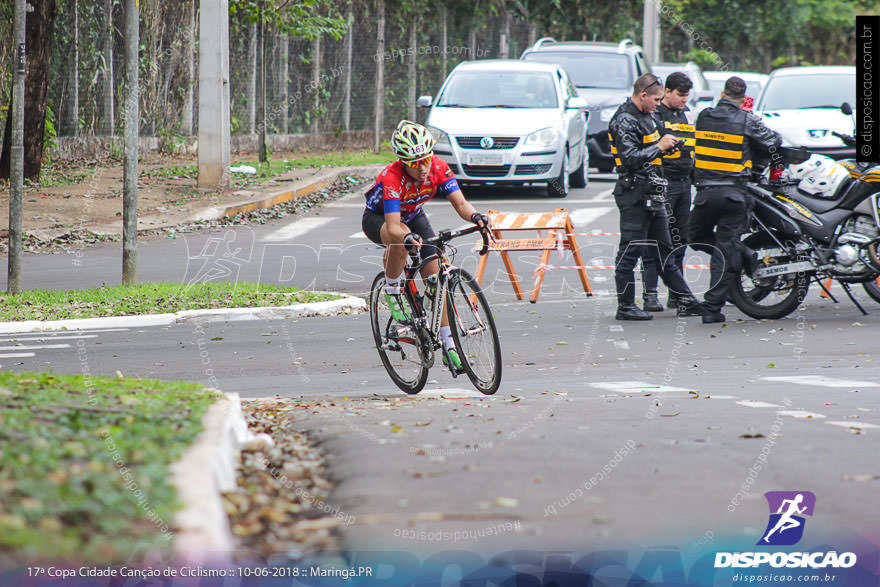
<point x="673" y="116"/>
<point x="726" y="137"/>
<point x="640" y="195"/>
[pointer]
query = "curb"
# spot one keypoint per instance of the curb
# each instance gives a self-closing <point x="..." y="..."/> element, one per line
<point x="206" y="469"/>
<point x="297" y="190"/>
<point x="346" y="305"/>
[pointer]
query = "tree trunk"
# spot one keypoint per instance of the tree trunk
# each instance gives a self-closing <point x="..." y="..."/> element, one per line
<point x="252" y="82"/>
<point x="472" y="41"/>
<point x="260" y="113"/>
<point x="504" y="37"/>
<point x="316" y="82"/>
<point x="283" y="76"/>
<point x="379" y="104"/>
<point x="70" y="122"/>
<point x="444" y="42"/>
<point x="130" y="165"/>
<point x="186" y="121"/>
<point x="346" y="100"/>
<point x="533" y="34"/>
<point x="413" y="50"/>
<point x="38" y="40"/>
<point x="108" y="106"/>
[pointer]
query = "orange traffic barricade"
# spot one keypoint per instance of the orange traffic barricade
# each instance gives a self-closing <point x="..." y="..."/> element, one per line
<point x="559" y="236"/>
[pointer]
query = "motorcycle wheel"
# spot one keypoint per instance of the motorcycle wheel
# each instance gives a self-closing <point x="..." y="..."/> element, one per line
<point x="873" y="289"/>
<point x="771" y="297"/>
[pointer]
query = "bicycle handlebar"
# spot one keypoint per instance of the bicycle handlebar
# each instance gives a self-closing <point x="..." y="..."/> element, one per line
<point x="447" y="235"/>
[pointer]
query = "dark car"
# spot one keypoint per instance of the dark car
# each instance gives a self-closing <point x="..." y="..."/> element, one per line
<point x="604" y="74"/>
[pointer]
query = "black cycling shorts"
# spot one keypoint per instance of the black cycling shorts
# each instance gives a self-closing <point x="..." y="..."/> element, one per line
<point x="372" y="222"/>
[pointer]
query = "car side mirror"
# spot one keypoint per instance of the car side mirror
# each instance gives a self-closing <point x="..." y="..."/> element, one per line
<point x="425" y="101"/>
<point x="576" y="103"/>
<point x="846" y="108"/>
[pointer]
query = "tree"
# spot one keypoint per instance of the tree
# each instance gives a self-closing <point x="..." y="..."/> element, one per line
<point x="38" y="37"/>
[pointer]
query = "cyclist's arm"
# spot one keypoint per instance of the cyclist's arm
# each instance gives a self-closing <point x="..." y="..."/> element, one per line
<point x="464" y="208"/>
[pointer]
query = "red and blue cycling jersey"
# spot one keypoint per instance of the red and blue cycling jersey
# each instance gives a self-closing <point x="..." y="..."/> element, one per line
<point x="395" y="191"/>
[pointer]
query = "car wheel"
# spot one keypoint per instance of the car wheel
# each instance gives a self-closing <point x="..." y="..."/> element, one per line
<point x="579" y="177"/>
<point x="558" y="187"/>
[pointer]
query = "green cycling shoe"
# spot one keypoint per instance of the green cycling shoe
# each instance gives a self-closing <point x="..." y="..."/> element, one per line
<point x="398" y="307"/>
<point x="452" y="355"/>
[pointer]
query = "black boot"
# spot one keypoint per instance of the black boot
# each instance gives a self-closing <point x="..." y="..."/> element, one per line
<point x="712" y="316"/>
<point x="652" y="302"/>
<point x="689" y="306"/>
<point x="672" y="302"/>
<point x="632" y="312"/>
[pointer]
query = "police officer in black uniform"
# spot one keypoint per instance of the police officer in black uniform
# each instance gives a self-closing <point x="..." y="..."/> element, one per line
<point x="678" y="167"/>
<point x="726" y="138"/>
<point x="640" y="195"/>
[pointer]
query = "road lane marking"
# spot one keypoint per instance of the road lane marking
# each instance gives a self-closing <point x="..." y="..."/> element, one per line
<point x="34" y="347"/>
<point x="358" y="234"/>
<point x="47" y="336"/>
<point x="604" y="196"/>
<point x="799" y="414"/>
<point x="751" y="403"/>
<point x="820" y="381"/>
<point x="621" y="344"/>
<point x="635" y="387"/>
<point x="853" y="424"/>
<point x="451" y="392"/>
<point x="297" y="228"/>
<point x="583" y="216"/>
<point x="15" y="355"/>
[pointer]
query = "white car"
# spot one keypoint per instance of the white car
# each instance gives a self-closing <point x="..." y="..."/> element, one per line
<point x="754" y="81"/>
<point x="803" y="105"/>
<point x="507" y="121"/>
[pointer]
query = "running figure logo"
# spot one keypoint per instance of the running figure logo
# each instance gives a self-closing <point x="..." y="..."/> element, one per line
<point x="786" y="525"/>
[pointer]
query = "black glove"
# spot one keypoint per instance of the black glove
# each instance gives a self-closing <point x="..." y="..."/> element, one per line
<point x="411" y="241"/>
<point x="477" y="218"/>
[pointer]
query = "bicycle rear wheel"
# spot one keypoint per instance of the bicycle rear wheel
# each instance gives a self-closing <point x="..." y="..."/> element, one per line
<point x="474" y="332"/>
<point x="399" y="345"/>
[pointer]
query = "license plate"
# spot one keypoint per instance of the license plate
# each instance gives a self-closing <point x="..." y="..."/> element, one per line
<point x="485" y="159"/>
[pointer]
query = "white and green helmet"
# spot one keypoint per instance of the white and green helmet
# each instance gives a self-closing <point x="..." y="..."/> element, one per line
<point x="412" y="141"/>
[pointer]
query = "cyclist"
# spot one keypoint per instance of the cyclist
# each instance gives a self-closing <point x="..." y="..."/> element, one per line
<point x="394" y="217"/>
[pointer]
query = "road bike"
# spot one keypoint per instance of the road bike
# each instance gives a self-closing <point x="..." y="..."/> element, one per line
<point x="409" y="348"/>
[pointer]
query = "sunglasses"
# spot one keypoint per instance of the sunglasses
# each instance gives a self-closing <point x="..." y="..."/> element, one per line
<point x="655" y="82"/>
<point x="419" y="163"/>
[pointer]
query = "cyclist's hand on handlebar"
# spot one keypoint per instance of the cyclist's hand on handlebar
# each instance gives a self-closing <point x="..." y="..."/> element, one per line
<point x="412" y="241"/>
<point x="480" y="220"/>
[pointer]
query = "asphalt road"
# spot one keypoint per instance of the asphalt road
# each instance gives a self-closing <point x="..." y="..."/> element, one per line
<point x="604" y="434"/>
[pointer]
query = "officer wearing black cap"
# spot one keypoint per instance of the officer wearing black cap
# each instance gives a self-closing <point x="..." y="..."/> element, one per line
<point x="726" y="137"/>
<point x="640" y="196"/>
<point x="672" y="117"/>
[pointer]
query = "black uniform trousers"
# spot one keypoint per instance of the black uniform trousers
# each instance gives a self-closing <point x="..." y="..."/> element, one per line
<point x="640" y="230"/>
<point x="678" y="196"/>
<point x="718" y="220"/>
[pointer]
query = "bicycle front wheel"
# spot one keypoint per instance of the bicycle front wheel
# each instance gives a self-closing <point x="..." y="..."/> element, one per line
<point x="399" y="345"/>
<point x="474" y="332"/>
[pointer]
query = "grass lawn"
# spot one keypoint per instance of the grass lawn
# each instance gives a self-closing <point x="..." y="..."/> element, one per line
<point x="84" y="461"/>
<point x="147" y="298"/>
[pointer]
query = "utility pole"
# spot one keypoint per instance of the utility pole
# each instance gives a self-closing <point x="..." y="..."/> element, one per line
<point x="214" y="94"/>
<point x="130" y="166"/>
<point x="16" y="175"/>
<point x="651" y="28"/>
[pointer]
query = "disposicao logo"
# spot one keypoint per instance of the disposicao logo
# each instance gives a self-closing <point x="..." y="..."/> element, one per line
<point x="786" y="525"/>
<point x="785" y="528"/>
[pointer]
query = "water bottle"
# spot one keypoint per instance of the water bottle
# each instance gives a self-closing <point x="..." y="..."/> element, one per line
<point x="430" y="291"/>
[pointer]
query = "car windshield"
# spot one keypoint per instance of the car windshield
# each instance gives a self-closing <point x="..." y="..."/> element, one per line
<point x="808" y="91"/>
<point x="590" y="70"/>
<point x="500" y="89"/>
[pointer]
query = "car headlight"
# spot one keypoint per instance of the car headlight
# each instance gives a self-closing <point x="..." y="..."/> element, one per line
<point x="441" y="137"/>
<point x="606" y="113"/>
<point x="546" y="137"/>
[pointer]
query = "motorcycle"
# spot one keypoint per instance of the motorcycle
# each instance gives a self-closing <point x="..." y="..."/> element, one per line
<point x="800" y="238"/>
